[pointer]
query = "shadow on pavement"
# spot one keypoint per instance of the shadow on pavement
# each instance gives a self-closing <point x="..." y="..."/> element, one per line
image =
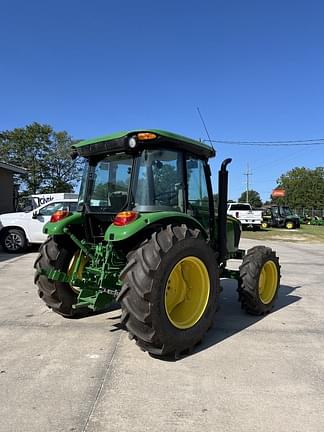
<point x="231" y="319"/>
<point x="5" y="256"/>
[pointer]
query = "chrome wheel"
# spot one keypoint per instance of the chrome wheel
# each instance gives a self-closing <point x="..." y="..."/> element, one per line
<point x="13" y="242"/>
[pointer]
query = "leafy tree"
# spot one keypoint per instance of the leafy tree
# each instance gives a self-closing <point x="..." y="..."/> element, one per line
<point x="45" y="154"/>
<point x="304" y="188"/>
<point x="254" y="198"/>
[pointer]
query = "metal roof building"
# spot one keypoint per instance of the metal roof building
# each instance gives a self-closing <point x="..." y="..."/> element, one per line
<point x="8" y="192"/>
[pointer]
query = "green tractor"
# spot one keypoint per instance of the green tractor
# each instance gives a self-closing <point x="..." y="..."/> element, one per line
<point x="147" y="235"/>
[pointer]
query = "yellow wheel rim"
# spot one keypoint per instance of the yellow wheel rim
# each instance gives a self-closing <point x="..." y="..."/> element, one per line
<point x="264" y="225"/>
<point x="83" y="261"/>
<point x="268" y="282"/>
<point x="290" y="225"/>
<point x="187" y="292"/>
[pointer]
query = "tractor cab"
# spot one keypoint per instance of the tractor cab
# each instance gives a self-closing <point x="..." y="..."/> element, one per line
<point x="148" y="172"/>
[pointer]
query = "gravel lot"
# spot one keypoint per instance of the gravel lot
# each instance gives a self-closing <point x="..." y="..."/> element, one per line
<point x="249" y="374"/>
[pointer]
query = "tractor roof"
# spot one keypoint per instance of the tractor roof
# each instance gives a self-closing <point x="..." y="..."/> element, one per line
<point x="157" y="138"/>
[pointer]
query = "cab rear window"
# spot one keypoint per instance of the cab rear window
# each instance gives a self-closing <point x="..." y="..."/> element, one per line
<point x="239" y="207"/>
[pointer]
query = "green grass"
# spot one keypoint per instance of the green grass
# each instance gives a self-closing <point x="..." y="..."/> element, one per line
<point x="305" y="234"/>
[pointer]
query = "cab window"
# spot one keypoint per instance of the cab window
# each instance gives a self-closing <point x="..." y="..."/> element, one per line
<point x="198" y="202"/>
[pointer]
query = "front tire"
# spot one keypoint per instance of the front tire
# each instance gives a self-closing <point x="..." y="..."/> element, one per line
<point x="289" y="225"/>
<point x="259" y="280"/>
<point x="14" y="240"/>
<point x="170" y="291"/>
<point x="58" y="296"/>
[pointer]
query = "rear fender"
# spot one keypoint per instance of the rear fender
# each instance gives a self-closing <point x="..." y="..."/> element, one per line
<point x="145" y="220"/>
<point x="57" y="228"/>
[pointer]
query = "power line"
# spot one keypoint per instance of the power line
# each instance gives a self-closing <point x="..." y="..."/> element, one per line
<point x="272" y="141"/>
<point x="308" y="142"/>
<point x="267" y="144"/>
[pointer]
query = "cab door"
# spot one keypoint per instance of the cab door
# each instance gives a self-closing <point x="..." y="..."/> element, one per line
<point x="199" y="191"/>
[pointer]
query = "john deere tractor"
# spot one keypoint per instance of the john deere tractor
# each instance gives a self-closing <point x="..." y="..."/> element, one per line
<point x="147" y="235"/>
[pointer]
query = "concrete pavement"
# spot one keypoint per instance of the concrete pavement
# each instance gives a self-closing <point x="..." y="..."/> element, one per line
<point x="249" y="374"/>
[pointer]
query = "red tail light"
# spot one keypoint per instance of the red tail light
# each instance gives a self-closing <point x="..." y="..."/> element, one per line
<point x="124" y="218"/>
<point x="59" y="215"/>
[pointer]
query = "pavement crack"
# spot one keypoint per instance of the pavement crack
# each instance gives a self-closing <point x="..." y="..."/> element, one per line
<point x="103" y="381"/>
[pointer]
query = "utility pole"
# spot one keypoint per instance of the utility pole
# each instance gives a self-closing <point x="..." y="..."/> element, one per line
<point x="248" y="174"/>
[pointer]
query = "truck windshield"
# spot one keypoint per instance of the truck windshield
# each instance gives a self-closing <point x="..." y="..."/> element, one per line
<point x="108" y="183"/>
<point x="285" y="211"/>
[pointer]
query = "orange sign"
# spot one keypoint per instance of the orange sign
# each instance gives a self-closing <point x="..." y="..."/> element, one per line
<point x="278" y="193"/>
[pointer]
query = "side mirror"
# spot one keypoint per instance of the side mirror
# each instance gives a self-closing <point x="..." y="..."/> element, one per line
<point x="35" y="214"/>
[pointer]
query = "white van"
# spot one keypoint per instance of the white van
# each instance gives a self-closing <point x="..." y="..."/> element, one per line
<point x="18" y="230"/>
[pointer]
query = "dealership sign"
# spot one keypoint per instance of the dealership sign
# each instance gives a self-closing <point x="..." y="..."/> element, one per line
<point x="278" y="193"/>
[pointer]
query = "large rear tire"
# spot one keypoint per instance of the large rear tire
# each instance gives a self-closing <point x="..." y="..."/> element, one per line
<point x="259" y="280"/>
<point x="170" y="291"/>
<point x="59" y="296"/>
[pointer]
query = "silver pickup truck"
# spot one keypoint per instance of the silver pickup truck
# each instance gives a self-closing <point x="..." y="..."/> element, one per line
<point x="248" y="217"/>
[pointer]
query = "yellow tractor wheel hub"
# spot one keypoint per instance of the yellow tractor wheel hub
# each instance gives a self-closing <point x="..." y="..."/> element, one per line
<point x="187" y="292"/>
<point x="268" y="282"/>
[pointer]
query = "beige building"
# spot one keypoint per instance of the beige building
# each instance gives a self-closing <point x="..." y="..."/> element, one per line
<point x="7" y="187"/>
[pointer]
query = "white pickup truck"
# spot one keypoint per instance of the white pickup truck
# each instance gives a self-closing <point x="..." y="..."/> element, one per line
<point x="31" y="202"/>
<point x="18" y="230"/>
<point x="248" y="217"/>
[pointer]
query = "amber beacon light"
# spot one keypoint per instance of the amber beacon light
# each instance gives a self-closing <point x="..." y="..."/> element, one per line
<point x="142" y="136"/>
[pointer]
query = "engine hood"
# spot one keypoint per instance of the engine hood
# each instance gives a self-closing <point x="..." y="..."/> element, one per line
<point x="12" y="216"/>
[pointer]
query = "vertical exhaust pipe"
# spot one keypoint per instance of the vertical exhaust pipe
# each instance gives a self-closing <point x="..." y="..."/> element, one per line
<point x="222" y="209"/>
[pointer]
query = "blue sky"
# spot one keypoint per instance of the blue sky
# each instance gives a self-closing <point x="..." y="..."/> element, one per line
<point x="255" y="69"/>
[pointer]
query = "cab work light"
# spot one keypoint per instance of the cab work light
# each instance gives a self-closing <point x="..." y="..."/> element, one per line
<point x="124" y="218"/>
<point x="59" y="215"/>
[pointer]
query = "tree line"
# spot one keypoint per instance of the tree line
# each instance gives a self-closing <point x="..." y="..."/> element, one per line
<point x="45" y="153"/>
<point x="303" y="187"/>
